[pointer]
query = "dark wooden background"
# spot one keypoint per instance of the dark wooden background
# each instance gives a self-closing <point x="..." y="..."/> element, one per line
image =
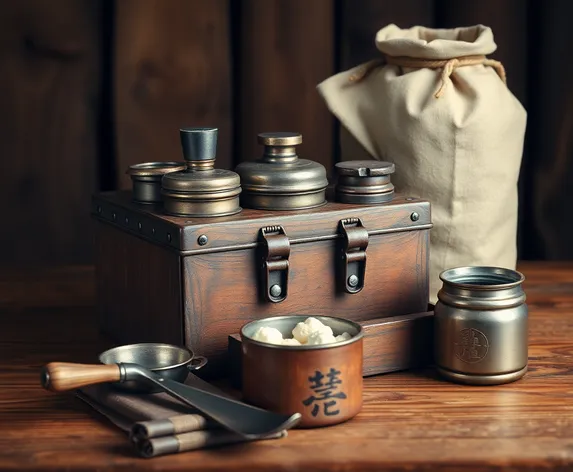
<point x="88" y="87"/>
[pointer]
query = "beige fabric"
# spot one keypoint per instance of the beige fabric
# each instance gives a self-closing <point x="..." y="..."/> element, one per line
<point x="461" y="150"/>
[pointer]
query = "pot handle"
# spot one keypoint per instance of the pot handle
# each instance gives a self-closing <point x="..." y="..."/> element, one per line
<point x="196" y="363"/>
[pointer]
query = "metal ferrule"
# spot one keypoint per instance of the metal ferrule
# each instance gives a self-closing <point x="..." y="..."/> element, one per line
<point x="157" y="446"/>
<point x="200" y="165"/>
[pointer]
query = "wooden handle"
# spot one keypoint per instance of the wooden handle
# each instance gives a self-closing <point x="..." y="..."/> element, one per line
<point x="62" y="376"/>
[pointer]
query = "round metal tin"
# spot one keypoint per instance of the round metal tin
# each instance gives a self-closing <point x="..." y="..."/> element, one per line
<point x="280" y="180"/>
<point x="146" y="179"/>
<point x="201" y="190"/>
<point x="364" y="182"/>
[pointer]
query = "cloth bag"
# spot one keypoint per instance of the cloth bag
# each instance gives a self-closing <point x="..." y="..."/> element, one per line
<point x="439" y="109"/>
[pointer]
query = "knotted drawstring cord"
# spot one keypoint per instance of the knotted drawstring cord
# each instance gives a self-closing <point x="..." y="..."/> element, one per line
<point x="448" y="67"/>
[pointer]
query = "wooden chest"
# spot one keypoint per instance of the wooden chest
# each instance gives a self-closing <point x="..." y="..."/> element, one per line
<point x="194" y="281"/>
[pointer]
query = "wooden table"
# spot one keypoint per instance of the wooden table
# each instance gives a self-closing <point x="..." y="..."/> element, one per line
<point x="410" y="420"/>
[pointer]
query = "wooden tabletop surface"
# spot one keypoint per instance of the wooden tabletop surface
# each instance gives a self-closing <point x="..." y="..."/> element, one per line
<point x="410" y="420"/>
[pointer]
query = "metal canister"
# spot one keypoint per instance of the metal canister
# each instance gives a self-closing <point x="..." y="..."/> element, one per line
<point x="200" y="190"/>
<point x="481" y="324"/>
<point x="280" y="180"/>
<point x="364" y="182"/>
<point x="146" y="179"/>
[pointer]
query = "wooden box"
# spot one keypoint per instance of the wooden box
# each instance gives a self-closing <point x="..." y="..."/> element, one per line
<point x="195" y="281"/>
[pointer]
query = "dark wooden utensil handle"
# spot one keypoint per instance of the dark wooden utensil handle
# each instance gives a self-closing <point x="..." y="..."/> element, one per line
<point x="62" y="376"/>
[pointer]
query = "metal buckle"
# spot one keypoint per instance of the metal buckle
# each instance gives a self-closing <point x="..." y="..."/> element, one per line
<point x="275" y="265"/>
<point x="352" y="268"/>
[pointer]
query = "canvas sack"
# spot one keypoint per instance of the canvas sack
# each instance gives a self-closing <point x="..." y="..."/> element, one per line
<point x="437" y="107"/>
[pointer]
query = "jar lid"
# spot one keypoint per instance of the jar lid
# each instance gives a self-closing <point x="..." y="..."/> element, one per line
<point x="150" y="169"/>
<point x="364" y="182"/>
<point x="280" y="180"/>
<point x="369" y="168"/>
<point x="217" y="190"/>
<point x="207" y="180"/>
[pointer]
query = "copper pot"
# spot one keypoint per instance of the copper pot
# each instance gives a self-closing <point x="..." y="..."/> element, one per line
<point x="321" y="382"/>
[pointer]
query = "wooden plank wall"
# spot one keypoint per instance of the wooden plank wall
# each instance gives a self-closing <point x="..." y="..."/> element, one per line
<point x="287" y="48"/>
<point x="92" y="86"/>
<point x="50" y="54"/>
<point x="172" y="69"/>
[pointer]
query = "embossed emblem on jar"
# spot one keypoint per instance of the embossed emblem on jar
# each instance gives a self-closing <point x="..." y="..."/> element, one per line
<point x="471" y="345"/>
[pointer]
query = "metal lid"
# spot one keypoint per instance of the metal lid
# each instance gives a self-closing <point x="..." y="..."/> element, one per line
<point x="369" y="168"/>
<point x="279" y="180"/>
<point x="200" y="189"/>
<point x="364" y="182"/>
<point x="207" y="180"/>
<point x="150" y="169"/>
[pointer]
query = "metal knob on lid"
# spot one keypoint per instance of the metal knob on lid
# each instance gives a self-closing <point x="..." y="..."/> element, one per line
<point x="364" y="182"/>
<point x="201" y="190"/>
<point x="280" y="180"/>
<point x="146" y="179"/>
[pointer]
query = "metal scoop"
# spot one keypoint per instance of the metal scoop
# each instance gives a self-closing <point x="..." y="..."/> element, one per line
<point x="248" y="421"/>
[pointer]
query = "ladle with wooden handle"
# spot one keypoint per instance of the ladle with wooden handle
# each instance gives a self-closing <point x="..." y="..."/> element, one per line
<point x="249" y="421"/>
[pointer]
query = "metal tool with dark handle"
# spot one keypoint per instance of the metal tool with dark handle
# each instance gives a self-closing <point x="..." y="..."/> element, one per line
<point x="246" y="420"/>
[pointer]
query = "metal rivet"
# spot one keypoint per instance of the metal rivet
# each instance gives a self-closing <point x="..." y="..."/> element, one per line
<point x="114" y="216"/>
<point x="169" y="237"/>
<point x="152" y="230"/>
<point x="276" y="290"/>
<point x="202" y="240"/>
<point x="99" y="209"/>
<point x="139" y="226"/>
<point x="353" y="280"/>
<point x="126" y="220"/>
<point x="414" y="216"/>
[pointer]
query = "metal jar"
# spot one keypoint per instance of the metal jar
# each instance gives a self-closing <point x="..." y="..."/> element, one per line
<point x="146" y="179"/>
<point x="481" y="326"/>
<point x="364" y="182"/>
<point x="280" y="180"/>
<point x="200" y="190"/>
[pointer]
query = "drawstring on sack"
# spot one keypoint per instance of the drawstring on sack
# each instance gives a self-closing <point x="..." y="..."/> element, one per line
<point x="448" y="67"/>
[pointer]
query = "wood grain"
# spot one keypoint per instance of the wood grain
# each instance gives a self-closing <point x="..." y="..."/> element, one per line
<point x="64" y="376"/>
<point x="138" y="288"/>
<point x="172" y="69"/>
<point x="220" y="296"/>
<point x="409" y="421"/>
<point x="50" y="82"/>
<point x="286" y="49"/>
<point x="220" y="282"/>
